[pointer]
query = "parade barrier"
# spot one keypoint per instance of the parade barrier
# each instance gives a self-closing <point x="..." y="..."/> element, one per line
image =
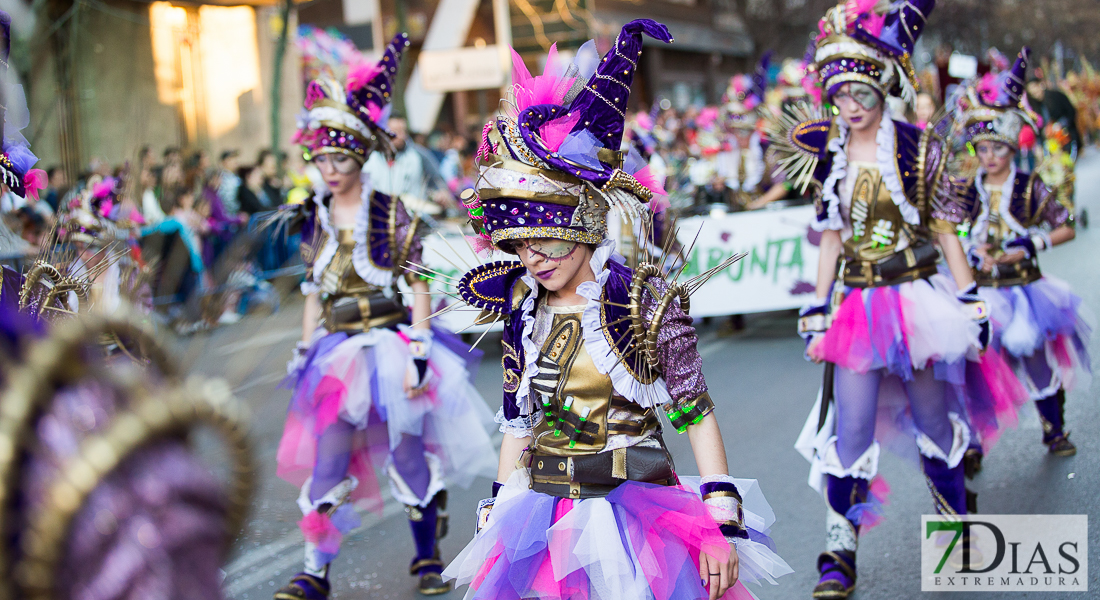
<point x="778" y="273"/>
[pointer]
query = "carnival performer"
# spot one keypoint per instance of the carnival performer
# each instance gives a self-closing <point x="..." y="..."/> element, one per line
<point x="368" y="387"/>
<point x="1039" y="325"/>
<point x="892" y="339"/>
<point x="587" y="503"/>
<point x="103" y="232"/>
<point x="745" y="167"/>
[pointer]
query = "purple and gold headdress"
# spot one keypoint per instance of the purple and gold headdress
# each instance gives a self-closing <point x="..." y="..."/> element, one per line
<point x="352" y="119"/>
<point x="550" y="165"/>
<point x="745" y="96"/>
<point x="994" y="112"/>
<point x="871" y="42"/>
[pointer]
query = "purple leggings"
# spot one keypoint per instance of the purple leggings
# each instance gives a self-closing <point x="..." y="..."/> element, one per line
<point x="857" y="407"/>
<point x="334" y="455"/>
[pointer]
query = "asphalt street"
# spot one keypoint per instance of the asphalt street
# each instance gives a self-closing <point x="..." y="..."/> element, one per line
<point x="764" y="391"/>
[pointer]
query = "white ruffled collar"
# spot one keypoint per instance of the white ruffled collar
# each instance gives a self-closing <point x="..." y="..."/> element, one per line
<point x="360" y="256"/>
<point x="599" y="349"/>
<point x="885" y="157"/>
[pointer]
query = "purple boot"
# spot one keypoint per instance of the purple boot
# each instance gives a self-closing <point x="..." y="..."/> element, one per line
<point x="304" y="587"/>
<point x="1052" y="412"/>
<point x="837" y="564"/>
<point x="428" y="525"/>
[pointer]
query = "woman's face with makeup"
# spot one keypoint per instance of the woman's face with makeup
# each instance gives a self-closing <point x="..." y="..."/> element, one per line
<point x="340" y="171"/>
<point x="995" y="157"/>
<point x="552" y="262"/>
<point x="859" y="104"/>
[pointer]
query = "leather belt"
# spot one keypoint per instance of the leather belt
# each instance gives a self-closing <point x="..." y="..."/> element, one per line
<point x="361" y="312"/>
<point x="1021" y="273"/>
<point x="596" y="475"/>
<point x="866" y="274"/>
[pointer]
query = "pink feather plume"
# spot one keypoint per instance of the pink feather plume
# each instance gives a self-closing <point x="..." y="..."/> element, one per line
<point x="555" y="132"/>
<point x="480" y="243"/>
<point x="313" y="93"/>
<point x="548" y="88"/>
<point x="34" y="181"/>
<point x="359" y="76"/>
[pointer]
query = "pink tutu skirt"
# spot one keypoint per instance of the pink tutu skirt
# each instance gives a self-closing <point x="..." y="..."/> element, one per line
<point x="359" y="379"/>
<point x="921" y="325"/>
<point x="641" y="542"/>
<point x="1044" y="316"/>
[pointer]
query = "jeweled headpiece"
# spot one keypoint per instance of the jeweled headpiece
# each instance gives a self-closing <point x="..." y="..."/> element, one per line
<point x="745" y="95"/>
<point x="352" y="119"/>
<point x="994" y="111"/>
<point x="871" y="41"/>
<point x="550" y="165"/>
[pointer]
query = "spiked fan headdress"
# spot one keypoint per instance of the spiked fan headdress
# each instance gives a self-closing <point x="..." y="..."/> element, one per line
<point x="352" y="119"/>
<point x="993" y="109"/>
<point x="871" y="41"/>
<point x="550" y="166"/>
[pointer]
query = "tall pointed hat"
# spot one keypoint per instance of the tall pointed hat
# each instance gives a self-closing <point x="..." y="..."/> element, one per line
<point x="994" y="111"/>
<point x="746" y="95"/>
<point x="550" y="165"/>
<point x="871" y="42"/>
<point x="352" y="119"/>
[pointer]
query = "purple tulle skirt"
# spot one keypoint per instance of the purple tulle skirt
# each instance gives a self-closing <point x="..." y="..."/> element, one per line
<point x="359" y="379"/>
<point x="920" y="325"/>
<point x="641" y="542"/>
<point x="1043" y="317"/>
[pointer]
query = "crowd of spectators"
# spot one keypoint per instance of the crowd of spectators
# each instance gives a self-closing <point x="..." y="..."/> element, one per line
<point x="194" y="206"/>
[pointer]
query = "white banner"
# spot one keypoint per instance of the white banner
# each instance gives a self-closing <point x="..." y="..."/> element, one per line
<point x="778" y="273"/>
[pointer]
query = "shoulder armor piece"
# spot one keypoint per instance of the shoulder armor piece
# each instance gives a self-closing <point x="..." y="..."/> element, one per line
<point x="800" y="141"/>
<point x="381" y="230"/>
<point x="494" y="287"/>
<point x="812" y="137"/>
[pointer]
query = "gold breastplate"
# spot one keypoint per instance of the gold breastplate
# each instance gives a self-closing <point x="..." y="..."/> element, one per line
<point x="877" y="224"/>
<point x="579" y="403"/>
<point x="347" y="302"/>
<point x="998" y="230"/>
<point x="339" y="277"/>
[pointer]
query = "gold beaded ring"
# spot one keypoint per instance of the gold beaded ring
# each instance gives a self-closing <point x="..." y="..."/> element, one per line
<point x="50" y="363"/>
<point x="179" y="409"/>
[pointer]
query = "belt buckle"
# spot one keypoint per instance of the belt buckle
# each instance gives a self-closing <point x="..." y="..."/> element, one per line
<point x="867" y="270"/>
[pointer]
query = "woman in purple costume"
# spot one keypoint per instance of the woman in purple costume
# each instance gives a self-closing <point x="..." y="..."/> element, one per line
<point x="1039" y="326"/>
<point x="896" y="339"/>
<point x="370" y="391"/>
<point x="587" y="504"/>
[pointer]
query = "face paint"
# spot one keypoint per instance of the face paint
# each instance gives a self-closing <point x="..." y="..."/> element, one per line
<point x="997" y="149"/>
<point x="860" y="93"/>
<point x="548" y="248"/>
<point x="341" y="163"/>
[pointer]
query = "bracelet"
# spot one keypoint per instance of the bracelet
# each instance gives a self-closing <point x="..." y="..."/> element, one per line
<point x="724" y="503"/>
<point x="685" y="414"/>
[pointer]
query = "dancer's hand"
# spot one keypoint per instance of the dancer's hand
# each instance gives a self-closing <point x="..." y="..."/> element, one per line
<point x="413" y="379"/>
<point x="812" y="348"/>
<point x="718" y="577"/>
<point x="1011" y="257"/>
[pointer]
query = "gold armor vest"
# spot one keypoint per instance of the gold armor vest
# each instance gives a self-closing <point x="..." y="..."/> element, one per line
<point x="579" y="403"/>
<point x="997" y="232"/>
<point x="347" y="302"/>
<point x="871" y="255"/>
